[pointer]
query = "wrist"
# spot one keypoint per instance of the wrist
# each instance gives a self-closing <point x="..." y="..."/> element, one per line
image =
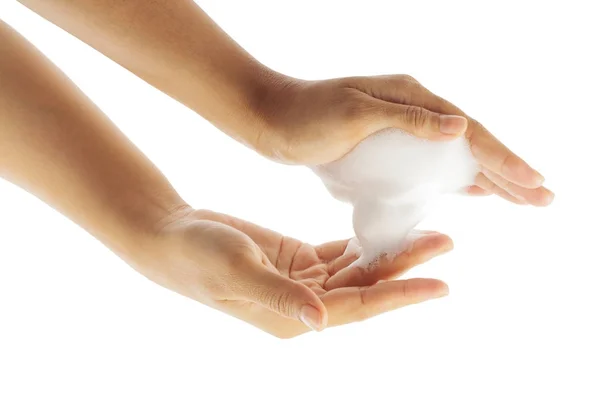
<point x="270" y="104"/>
<point x="141" y="241"/>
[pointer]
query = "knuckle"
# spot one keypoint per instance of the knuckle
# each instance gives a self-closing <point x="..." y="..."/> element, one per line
<point x="279" y="302"/>
<point x="473" y="127"/>
<point x="408" y="78"/>
<point x="416" y="117"/>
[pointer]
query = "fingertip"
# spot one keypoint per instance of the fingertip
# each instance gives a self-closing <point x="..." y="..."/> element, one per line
<point x="546" y="197"/>
<point x="474" y="190"/>
<point x="534" y="179"/>
<point x="445" y="241"/>
<point x="324" y="315"/>
<point x="549" y="197"/>
<point x="312" y="311"/>
<point x="518" y="171"/>
<point x="312" y="318"/>
<point x="540" y="197"/>
<point x="435" y="241"/>
<point x="318" y="305"/>
<point x="435" y="289"/>
<point x="449" y="244"/>
<point x="444" y="289"/>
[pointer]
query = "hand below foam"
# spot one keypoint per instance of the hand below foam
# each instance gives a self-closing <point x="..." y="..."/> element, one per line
<point x="392" y="178"/>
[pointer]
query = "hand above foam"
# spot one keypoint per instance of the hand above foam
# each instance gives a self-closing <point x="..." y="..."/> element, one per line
<point x="392" y="179"/>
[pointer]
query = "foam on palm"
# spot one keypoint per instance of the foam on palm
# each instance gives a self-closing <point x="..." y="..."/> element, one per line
<point x="392" y="179"/>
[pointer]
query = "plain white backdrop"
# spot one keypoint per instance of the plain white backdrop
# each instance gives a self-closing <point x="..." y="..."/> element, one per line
<point x="522" y="317"/>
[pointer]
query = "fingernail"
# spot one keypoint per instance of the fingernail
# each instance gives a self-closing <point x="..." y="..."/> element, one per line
<point x="453" y="124"/>
<point x="311" y="317"/>
<point x="539" y="179"/>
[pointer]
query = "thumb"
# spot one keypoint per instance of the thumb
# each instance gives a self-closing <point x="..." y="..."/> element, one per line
<point x="423" y="123"/>
<point x="286" y="297"/>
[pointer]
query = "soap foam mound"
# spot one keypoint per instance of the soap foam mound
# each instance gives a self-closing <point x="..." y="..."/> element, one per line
<point x="392" y="179"/>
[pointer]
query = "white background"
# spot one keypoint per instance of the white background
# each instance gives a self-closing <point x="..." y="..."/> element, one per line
<point x="522" y="318"/>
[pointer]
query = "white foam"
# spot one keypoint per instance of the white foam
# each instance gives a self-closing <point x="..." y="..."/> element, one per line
<point x="391" y="179"/>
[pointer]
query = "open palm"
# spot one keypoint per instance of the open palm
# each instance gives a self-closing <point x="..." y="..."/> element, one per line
<point x="349" y="294"/>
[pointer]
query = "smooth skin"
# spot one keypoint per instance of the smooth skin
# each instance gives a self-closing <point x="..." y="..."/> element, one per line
<point x="176" y="47"/>
<point x="56" y="144"/>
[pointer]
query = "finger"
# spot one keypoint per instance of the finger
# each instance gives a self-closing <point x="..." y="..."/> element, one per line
<point x="538" y="197"/>
<point x="486" y="148"/>
<point x="415" y="120"/>
<point x="353" y="247"/>
<point x="483" y="181"/>
<point x="423" y="250"/>
<point x="353" y="304"/>
<point x="349" y="257"/>
<point x="340" y="263"/>
<point x="495" y="156"/>
<point x="284" y="296"/>
<point x="328" y="251"/>
<point x="475" y="190"/>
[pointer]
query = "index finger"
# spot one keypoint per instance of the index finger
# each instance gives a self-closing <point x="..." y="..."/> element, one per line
<point x="423" y="249"/>
<point x="496" y="157"/>
<point x="486" y="148"/>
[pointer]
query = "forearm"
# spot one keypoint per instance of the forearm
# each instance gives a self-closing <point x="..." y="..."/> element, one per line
<point x="57" y="145"/>
<point x="176" y="47"/>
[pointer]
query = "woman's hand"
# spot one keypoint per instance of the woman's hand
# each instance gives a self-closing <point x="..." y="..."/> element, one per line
<point x="102" y="182"/>
<point x="281" y="285"/>
<point x="315" y="122"/>
<point x="176" y="47"/>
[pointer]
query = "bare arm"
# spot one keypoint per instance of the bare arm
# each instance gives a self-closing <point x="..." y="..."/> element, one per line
<point x="57" y="145"/>
<point x="177" y="48"/>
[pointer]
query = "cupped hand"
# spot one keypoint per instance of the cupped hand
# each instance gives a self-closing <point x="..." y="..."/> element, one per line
<point x="281" y="285"/>
<point x="315" y="122"/>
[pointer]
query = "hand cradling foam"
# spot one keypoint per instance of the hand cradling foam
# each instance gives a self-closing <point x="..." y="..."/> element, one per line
<point x="391" y="179"/>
